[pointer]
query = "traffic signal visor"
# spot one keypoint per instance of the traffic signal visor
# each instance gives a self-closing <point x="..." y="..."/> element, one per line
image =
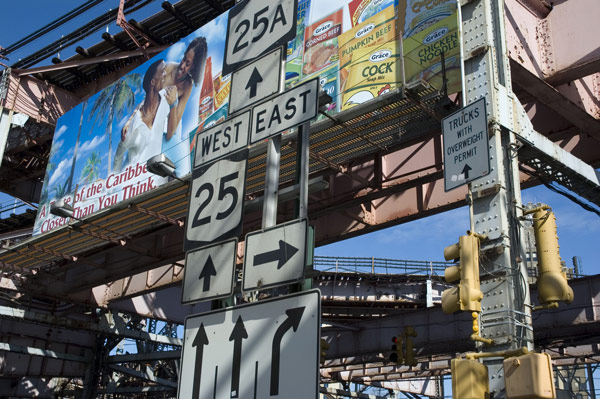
<point x="467" y="295"/>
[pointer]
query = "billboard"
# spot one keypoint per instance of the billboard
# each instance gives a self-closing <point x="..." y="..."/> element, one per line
<point x="359" y="50"/>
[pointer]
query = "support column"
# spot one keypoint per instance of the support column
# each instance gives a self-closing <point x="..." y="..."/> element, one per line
<point x="495" y="207"/>
<point x="5" y="122"/>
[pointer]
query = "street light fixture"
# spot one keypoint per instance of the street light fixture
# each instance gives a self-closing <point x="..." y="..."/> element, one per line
<point x="62" y="209"/>
<point x="162" y="166"/>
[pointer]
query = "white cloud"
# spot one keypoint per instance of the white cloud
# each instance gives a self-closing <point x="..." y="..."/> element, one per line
<point x="60" y="172"/>
<point x="175" y="52"/>
<point x="423" y="239"/>
<point x="216" y="32"/>
<point x="59" y="132"/>
<point x="91" y="144"/>
<point x="444" y="226"/>
<point x="123" y="121"/>
<point x="57" y="145"/>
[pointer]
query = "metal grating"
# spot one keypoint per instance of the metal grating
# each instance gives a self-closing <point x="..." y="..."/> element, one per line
<point x="163" y="26"/>
<point x="384" y="125"/>
<point x="387" y="123"/>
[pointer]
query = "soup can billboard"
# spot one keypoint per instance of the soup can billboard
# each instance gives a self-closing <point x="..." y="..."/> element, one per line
<point x="359" y="50"/>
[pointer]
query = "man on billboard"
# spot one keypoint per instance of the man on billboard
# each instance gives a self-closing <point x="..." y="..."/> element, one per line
<point x="141" y="135"/>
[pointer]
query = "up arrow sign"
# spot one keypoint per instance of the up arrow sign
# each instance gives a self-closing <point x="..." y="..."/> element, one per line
<point x="207" y="272"/>
<point x="256" y="81"/>
<point x="215" y="266"/>
<point x="253" y="82"/>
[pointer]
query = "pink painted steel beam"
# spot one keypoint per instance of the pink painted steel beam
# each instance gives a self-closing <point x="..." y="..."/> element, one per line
<point x="557" y="45"/>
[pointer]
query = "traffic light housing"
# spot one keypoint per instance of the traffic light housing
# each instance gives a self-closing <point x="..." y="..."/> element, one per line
<point x="403" y="348"/>
<point x="410" y="354"/>
<point x="397" y="356"/>
<point x="467" y="294"/>
<point x="323" y="351"/>
<point x="552" y="281"/>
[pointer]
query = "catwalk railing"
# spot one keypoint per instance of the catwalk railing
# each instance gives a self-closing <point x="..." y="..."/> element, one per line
<point x="341" y="264"/>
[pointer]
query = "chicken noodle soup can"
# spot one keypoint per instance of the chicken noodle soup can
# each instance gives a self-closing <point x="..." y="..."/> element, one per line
<point x="422" y="14"/>
<point x="321" y="43"/>
<point x="373" y="72"/>
<point x="423" y="54"/>
<point x="329" y="83"/>
<point x="362" y="10"/>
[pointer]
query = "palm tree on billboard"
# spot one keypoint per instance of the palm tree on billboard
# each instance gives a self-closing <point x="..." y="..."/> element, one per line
<point x="90" y="170"/>
<point x="60" y="190"/>
<point x="70" y="180"/>
<point x="49" y="169"/>
<point x="115" y="101"/>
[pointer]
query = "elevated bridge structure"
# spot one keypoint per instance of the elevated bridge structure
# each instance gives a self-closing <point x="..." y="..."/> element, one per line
<point x="70" y="296"/>
<point x="362" y="311"/>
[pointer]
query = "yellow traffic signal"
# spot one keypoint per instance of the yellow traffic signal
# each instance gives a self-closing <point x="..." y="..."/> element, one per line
<point x="410" y="355"/>
<point x="323" y="351"/>
<point x="552" y="281"/>
<point x="467" y="295"/>
<point x="403" y="348"/>
<point x="397" y="356"/>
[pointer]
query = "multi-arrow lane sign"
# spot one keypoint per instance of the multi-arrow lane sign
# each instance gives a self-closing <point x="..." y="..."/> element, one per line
<point x="267" y="349"/>
<point x="209" y="272"/>
<point x="256" y="81"/>
<point x="275" y="256"/>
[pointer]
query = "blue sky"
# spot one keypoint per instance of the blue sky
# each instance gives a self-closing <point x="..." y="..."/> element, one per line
<point x="424" y="239"/>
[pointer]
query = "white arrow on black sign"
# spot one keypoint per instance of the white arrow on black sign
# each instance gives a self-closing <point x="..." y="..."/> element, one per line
<point x="267" y="349"/>
<point x="256" y="81"/>
<point x="275" y="256"/>
<point x="209" y="272"/>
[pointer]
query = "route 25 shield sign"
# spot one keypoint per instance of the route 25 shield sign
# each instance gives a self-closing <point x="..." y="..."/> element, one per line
<point x="216" y="201"/>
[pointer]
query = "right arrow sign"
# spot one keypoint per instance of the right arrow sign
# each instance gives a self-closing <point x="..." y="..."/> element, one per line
<point x="275" y="256"/>
<point x="280" y="255"/>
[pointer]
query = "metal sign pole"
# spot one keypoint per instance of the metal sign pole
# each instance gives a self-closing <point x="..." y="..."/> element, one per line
<point x="303" y="168"/>
<point x="269" y="218"/>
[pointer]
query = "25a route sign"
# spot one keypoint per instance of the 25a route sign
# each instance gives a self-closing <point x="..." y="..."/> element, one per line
<point x="209" y="272"/>
<point x="216" y="201"/>
<point x="267" y="349"/>
<point x="255" y="27"/>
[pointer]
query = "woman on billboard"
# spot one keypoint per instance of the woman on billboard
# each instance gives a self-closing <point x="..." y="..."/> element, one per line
<point x="184" y="76"/>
